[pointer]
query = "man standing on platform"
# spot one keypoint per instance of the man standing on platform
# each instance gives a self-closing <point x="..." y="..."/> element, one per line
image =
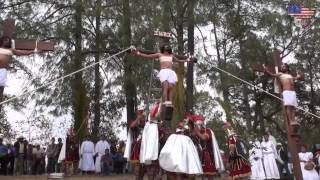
<point x="288" y="92"/>
<point x="6" y="52"/>
<point x="86" y="155"/>
<point x="100" y="150"/>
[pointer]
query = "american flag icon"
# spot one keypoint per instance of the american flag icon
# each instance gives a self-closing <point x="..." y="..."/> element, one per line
<point x="301" y="12"/>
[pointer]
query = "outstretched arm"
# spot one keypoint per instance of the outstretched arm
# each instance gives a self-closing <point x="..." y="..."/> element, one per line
<point x="22" y="52"/>
<point x="148" y="56"/>
<point x="270" y="73"/>
<point x="297" y="77"/>
<point x="181" y="60"/>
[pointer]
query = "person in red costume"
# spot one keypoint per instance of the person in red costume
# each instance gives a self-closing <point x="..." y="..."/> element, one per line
<point x="210" y="153"/>
<point x="239" y="166"/>
<point x="72" y="153"/>
<point x="132" y="151"/>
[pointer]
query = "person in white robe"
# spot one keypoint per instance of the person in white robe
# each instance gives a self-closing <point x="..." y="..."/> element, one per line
<point x="269" y="153"/>
<point x="100" y="150"/>
<point x="255" y="157"/>
<point x="179" y="154"/>
<point x="305" y="158"/>
<point x="86" y="154"/>
<point x="272" y="138"/>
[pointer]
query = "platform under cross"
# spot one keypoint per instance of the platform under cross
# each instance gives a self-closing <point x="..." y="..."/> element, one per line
<point x="8" y="28"/>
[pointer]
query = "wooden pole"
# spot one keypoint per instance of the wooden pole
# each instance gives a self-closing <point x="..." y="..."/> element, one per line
<point x="293" y="143"/>
<point x="293" y="139"/>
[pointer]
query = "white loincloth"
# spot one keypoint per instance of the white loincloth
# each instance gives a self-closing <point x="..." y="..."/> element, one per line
<point x="3" y="76"/>
<point x="289" y="98"/>
<point x="149" y="149"/>
<point x="168" y="75"/>
<point x="180" y="155"/>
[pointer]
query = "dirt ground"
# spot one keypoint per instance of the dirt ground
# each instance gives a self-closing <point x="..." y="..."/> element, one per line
<point x="84" y="177"/>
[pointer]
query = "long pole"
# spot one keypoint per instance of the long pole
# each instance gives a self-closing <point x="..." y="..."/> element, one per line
<point x="293" y="143"/>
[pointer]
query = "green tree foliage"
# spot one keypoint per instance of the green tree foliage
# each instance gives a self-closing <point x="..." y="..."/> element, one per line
<point x="230" y="35"/>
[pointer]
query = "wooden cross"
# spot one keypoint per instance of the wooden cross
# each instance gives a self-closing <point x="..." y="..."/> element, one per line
<point x="274" y="69"/>
<point x="293" y="140"/>
<point x="165" y="36"/>
<point x="8" y="27"/>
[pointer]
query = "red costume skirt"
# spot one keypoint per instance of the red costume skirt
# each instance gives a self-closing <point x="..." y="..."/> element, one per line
<point x="208" y="164"/>
<point x="239" y="167"/>
<point x="135" y="152"/>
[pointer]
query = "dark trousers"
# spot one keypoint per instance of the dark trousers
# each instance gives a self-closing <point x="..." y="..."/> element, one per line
<point x="51" y="165"/>
<point x="3" y="165"/>
<point x="36" y="167"/>
<point x="105" y="168"/>
<point x="11" y="165"/>
<point x="282" y="167"/>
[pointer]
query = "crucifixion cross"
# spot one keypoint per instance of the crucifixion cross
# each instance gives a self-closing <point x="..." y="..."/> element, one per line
<point x="293" y="138"/>
<point x="8" y="28"/>
<point x="274" y="69"/>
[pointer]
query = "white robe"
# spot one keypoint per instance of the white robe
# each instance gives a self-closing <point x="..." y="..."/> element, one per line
<point x="307" y="174"/>
<point x="127" y="151"/>
<point x="62" y="154"/>
<point x="87" y="153"/>
<point x="255" y="157"/>
<point x="216" y="153"/>
<point x="180" y="155"/>
<point x="269" y="160"/>
<point x="100" y="148"/>
<point x="149" y="149"/>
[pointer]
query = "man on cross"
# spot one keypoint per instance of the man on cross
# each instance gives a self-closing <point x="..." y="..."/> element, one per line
<point x="166" y="75"/>
<point x="288" y="91"/>
<point x="6" y="53"/>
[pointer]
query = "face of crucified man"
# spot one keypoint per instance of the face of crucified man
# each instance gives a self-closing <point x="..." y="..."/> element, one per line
<point x="285" y="68"/>
<point x="5" y="42"/>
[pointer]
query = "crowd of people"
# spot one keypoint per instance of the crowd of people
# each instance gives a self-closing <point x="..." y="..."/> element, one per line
<point x="271" y="160"/>
<point x="101" y="158"/>
<point x="24" y="158"/>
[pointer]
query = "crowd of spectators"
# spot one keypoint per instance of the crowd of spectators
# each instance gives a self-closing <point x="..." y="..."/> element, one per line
<point x="24" y="158"/>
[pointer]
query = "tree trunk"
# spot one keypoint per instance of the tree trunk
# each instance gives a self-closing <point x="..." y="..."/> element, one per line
<point x="97" y="80"/>
<point x="80" y="100"/>
<point x="179" y="97"/>
<point x="244" y="69"/>
<point x="129" y="86"/>
<point x="189" y="78"/>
